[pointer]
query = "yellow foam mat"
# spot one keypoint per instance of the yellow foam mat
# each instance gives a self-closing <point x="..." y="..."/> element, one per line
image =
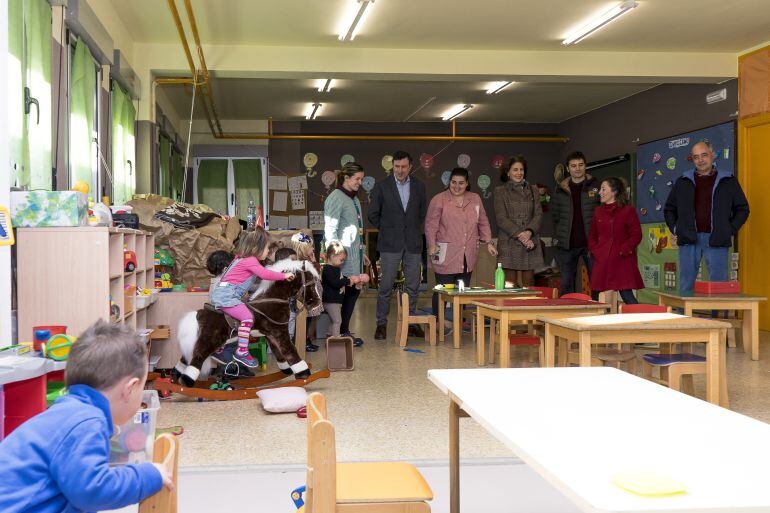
<point x="648" y="484"/>
<point x="381" y="482"/>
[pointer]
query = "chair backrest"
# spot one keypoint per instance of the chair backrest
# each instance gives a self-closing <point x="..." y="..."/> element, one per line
<point x="546" y="292"/>
<point x="165" y="451"/>
<point x="643" y="308"/>
<point x="576" y="295"/>
<point x="321" y="482"/>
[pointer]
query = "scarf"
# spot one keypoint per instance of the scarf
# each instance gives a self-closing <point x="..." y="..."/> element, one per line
<point x="350" y="194"/>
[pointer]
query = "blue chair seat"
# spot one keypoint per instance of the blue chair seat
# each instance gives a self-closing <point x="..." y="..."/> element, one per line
<point x="665" y="360"/>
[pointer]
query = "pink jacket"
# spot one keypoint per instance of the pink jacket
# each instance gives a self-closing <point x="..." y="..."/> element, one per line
<point x="460" y="228"/>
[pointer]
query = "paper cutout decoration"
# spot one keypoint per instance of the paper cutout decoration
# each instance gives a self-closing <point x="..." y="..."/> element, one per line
<point x="726" y="153"/>
<point x="497" y="161"/>
<point x="659" y="172"/>
<point x="346" y="158"/>
<point x="387" y="164"/>
<point x="310" y="160"/>
<point x="328" y="178"/>
<point x="639" y="174"/>
<point x="445" y="176"/>
<point x="656" y="158"/>
<point x="671" y="163"/>
<point x="463" y="160"/>
<point x="670" y="183"/>
<point x="426" y="161"/>
<point x="484" y="182"/>
<point x="368" y="185"/>
<point x="643" y="211"/>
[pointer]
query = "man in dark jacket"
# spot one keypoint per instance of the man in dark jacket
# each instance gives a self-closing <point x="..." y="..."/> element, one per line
<point x="572" y="206"/>
<point x="704" y="210"/>
<point x="398" y="207"/>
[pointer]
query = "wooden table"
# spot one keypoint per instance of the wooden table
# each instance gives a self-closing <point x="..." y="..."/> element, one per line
<point x="749" y="305"/>
<point x="459" y="299"/>
<point x="579" y="427"/>
<point x="665" y="328"/>
<point x="507" y="311"/>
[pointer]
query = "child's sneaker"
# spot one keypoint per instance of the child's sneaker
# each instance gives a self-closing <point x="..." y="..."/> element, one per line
<point x="311" y="347"/>
<point x="246" y="359"/>
<point x="222" y="356"/>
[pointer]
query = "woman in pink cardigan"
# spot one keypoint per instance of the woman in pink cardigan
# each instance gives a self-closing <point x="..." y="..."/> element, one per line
<point x="455" y="225"/>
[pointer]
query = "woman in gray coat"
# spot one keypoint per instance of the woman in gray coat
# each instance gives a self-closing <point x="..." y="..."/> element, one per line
<point x="518" y="215"/>
<point x="343" y="222"/>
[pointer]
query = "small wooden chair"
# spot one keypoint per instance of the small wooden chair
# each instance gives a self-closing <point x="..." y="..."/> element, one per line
<point x="405" y="319"/>
<point x="371" y="487"/>
<point x="166" y="451"/>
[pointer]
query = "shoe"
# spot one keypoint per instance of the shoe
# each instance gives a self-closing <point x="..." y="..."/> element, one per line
<point x="415" y="331"/>
<point x="357" y="342"/>
<point x="246" y="359"/>
<point x="223" y="355"/>
<point x="310" y="347"/>
<point x="381" y="333"/>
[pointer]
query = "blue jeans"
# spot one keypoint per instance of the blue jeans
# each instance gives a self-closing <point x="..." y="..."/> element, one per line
<point x="689" y="261"/>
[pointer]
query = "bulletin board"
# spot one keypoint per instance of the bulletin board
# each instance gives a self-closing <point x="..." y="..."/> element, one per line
<point x="659" y="164"/>
<point x="287" y="197"/>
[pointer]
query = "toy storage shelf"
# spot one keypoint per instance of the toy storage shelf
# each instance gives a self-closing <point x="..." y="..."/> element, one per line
<point x="66" y="276"/>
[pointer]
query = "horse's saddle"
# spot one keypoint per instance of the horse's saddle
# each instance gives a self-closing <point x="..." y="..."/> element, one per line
<point x="232" y="321"/>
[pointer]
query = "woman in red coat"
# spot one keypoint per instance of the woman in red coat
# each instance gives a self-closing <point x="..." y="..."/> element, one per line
<point x="615" y="233"/>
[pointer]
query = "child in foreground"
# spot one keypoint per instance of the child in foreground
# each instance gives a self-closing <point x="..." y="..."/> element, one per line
<point x="58" y="461"/>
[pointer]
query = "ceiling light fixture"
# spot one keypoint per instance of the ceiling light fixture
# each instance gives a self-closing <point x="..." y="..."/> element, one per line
<point x="354" y="19"/>
<point x="456" y="111"/>
<point x="594" y="25"/>
<point x="325" y="85"/>
<point x="496" y="87"/>
<point x="313" y="110"/>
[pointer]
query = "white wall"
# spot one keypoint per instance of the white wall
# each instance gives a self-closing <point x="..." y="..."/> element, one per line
<point x="5" y="187"/>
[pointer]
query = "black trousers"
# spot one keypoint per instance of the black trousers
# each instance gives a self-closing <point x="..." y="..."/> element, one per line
<point x="568" y="260"/>
<point x="348" y="305"/>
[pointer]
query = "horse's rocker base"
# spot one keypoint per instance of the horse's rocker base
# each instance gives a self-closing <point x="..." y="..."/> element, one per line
<point x="238" y="393"/>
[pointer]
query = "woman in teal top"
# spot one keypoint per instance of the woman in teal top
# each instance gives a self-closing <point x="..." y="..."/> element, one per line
<point x="344" y="222"/>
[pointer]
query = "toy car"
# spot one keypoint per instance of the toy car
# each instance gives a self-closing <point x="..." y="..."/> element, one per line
<point x="129" y="261"/>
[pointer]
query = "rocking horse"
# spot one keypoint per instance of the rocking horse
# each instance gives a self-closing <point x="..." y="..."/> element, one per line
<point x="202" y="332"/>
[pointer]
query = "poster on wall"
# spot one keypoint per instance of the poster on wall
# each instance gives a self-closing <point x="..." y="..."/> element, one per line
<point x="659" y="164"/>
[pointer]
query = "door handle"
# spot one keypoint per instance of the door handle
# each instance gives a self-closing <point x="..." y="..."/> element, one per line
<point x="232" y="198"/>
<point x="28" y="101"/>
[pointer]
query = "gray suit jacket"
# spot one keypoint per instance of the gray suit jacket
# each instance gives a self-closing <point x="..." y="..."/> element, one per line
<point x="399" y="230"/>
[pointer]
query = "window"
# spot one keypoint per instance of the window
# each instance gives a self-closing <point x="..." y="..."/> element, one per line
<point x="228" y="184"/>
<point x="123" y="145"/>
<point x="83" y="105"/>
<point x="29" y="93"/>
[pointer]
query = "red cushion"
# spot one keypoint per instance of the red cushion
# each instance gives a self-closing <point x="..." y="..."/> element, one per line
<point x="524" y="340"/>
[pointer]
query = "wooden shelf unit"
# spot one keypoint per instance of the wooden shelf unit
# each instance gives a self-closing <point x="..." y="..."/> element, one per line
<point x="65" y="276"/>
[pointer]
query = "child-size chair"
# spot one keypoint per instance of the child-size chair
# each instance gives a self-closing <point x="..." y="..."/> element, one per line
<point x="376" y="487"/>
<point x="405" y="319"/>
<point x="166" y="451"/>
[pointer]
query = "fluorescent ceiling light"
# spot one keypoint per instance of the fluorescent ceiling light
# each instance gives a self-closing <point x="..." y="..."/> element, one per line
<point x="588" y="29"/>
<point x="456" y="111"/>
<point x="496" y="87"/>
<point x="325" y="85"/>
<point x="313" y="110"/>
<point x="354" y="19"/>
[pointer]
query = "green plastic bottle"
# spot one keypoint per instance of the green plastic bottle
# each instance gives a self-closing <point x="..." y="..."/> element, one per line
<point x="499" y="277"/>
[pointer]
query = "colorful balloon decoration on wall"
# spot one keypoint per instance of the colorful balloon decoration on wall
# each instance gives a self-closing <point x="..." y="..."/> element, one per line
<point x="346" y="158"/>
<point x="445" y="176"/>
<point x="387" y="164"/>
<point x="368" y="185"/>
<point x="463" y="160"/>
<point x="427" y="161"/>
<point x="484" y="182"/>
<point x="328" y="178"/>
<point x="498" y="161"/>
<point x="310" y="160"/>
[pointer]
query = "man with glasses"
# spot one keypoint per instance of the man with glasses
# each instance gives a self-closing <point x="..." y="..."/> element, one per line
<point x="704" y="210"/>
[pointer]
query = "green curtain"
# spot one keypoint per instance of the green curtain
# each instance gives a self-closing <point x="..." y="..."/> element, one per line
<point x="164" y="161"/>
<point x="212" y="184"/>
<point x="82" y="116"/>
<point x="123" y="145"/>
<point x="248" y="184"/>
<point x="29" y="66"/>
<point x="177" y="175"/>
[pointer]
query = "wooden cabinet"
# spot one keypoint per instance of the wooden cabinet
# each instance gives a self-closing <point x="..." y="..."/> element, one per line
<point x="66" y="276"/>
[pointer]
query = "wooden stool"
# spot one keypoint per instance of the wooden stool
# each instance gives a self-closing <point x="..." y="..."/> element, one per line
<point x="166" y="451"/>
<point x="676" y="370"/>
<point x="617" y="357"/>
<point x="405" y="319"/>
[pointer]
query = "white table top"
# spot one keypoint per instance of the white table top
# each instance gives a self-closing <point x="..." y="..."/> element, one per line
<point x="578" y="427"/>
<point x="635" y="321"/>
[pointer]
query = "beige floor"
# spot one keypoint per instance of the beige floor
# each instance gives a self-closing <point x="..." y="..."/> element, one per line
<point x="386" y="409"/>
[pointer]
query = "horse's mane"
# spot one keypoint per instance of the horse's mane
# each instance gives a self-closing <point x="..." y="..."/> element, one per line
<point x="283" y="266"/>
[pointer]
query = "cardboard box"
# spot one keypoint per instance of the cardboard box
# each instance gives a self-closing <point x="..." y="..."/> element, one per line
<point x="39" y="209"/>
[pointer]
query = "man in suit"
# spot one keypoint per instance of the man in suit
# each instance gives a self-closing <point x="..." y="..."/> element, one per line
<point x="397" y="209"/>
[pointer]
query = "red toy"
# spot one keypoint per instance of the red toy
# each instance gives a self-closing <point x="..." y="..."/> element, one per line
<point x="129" y="261"/>
<point x="717" y="287"/>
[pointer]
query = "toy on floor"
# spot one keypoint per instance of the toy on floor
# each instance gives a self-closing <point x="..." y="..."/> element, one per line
<point x="296" y="497"/>
<point x="203" y="332"/>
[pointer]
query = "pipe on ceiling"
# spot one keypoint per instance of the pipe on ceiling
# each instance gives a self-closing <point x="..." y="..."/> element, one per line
<point x="201" y="78"/>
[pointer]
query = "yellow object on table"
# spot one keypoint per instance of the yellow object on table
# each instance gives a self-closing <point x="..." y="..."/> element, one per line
<point x="648" y="484"/>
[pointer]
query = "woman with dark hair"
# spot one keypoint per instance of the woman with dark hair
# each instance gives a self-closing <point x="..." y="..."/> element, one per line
<point x="455" y="225"/>
<point x="615" y="233"/>
<point x="518" y="214"/>
<point x="343" y="222"/>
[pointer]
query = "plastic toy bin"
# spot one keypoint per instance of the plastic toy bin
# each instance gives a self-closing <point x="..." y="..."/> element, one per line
<point x="339" y="353"/>
<point x="133" y="441"/>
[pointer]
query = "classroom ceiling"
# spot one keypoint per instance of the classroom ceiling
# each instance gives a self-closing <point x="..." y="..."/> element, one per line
<point x="656" y="25"/>
<point x="384" y="100"/>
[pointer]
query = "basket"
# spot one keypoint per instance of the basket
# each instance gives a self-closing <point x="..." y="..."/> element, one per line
<point x="133" y="442"/>
<point x="339" y="353"/>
